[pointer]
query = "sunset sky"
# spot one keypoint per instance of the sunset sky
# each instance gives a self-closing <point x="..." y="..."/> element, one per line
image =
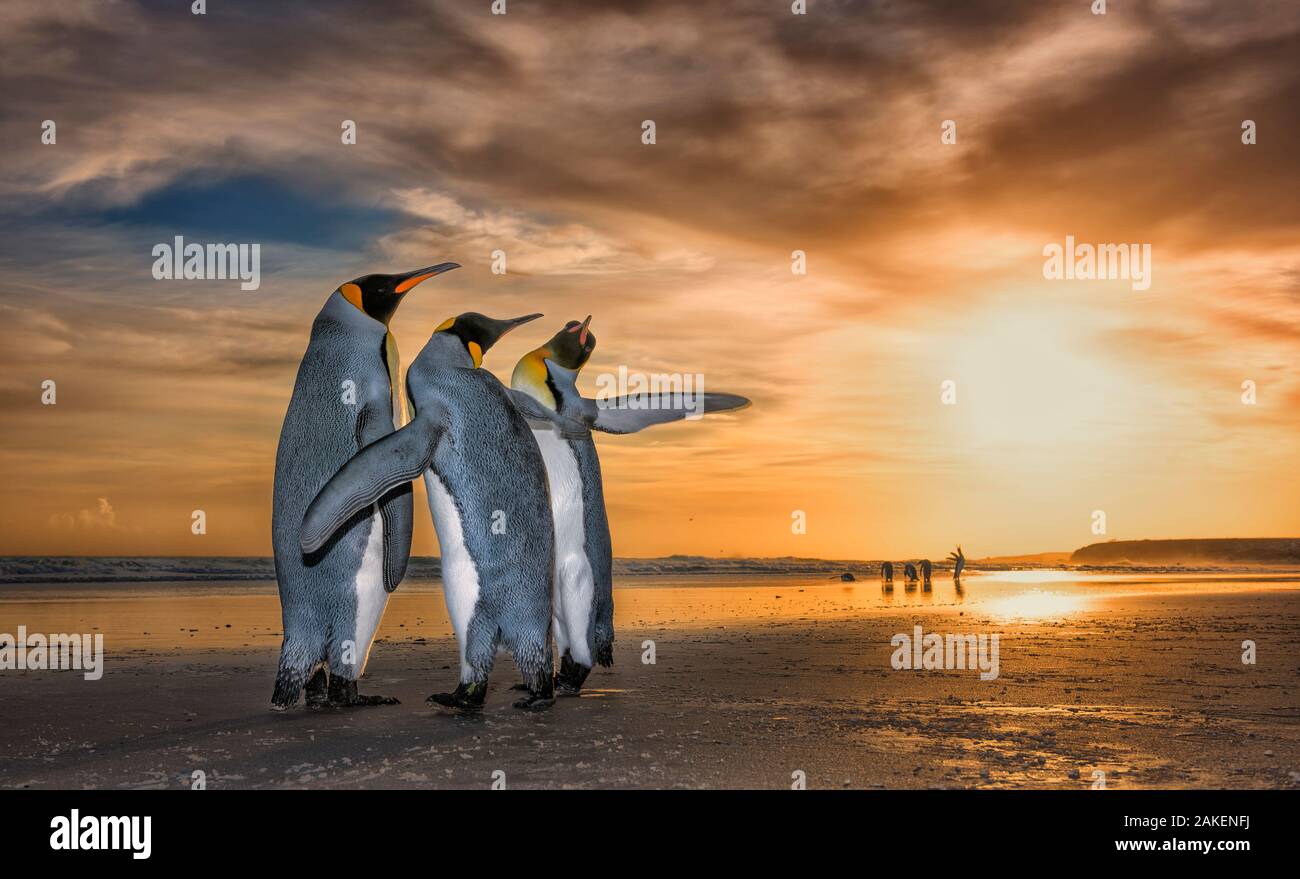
<point x="774" y="133"/>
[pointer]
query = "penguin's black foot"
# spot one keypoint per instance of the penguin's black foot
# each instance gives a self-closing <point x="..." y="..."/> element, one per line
<point x="605" y="654"/>
<point x="541" y="690"/>
<point x="535" y="702"/>
<point x="466" y="697"/>
<point x="317" y="692"/>
<point x="523" y="687"/>
<point x="571" y="677"/>
<point x="343" y="694"/>
<point x="367" y="699"/>
<point x="287" y="687"/>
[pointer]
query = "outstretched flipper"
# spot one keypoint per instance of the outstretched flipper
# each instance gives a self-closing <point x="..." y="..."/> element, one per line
<point x="633" y="412"/>
<point x="540" y="416"/>
<point x="374" y="471"/>
<point x="639" y="411"/>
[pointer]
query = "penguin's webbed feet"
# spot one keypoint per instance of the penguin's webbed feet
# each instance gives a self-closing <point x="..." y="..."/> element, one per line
<point x="541" y="690"/>
<point x="317" y="690"/>
<point x="466" y="697"/>
<point x="571" y="677"/>
<point x="535" y="702"/>
<point x="343" y="694"/>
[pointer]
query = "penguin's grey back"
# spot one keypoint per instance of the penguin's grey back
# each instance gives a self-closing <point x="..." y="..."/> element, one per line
<point x="318" y="437"/>
<point x="490" y="464"/>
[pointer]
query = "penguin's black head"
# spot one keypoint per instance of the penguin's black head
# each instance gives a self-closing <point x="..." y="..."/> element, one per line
<point x="571" y="347"/>
<point x="379" y="295"/>
<point x="479" y="333"/>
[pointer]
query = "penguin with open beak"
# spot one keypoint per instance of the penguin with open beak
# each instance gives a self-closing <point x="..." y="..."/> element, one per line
<point x="583" y="606"/>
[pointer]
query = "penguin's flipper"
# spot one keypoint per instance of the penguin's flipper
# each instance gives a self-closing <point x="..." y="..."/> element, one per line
<point x="542" y="417"/>
<point x="398" y="511"/>
<point x="639" y="411"/>
<point x="373" y="472"/>
<point x="397" y="507"/>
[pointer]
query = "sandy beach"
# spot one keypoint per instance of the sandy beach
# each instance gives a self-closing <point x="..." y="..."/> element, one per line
<point x="1139" y="677"/>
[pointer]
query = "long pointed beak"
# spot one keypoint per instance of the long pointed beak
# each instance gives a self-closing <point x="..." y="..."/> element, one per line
<point x="407" y="280"/>
<point x="519" y="321"/>
<point x="582" y="334"/>
<point x="501" y="327"/>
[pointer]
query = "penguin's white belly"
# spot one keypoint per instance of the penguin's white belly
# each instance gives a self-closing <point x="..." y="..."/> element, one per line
<point x="372" y="598"/>
<point x="459" y="574"/>
<point x="574" y="584"/>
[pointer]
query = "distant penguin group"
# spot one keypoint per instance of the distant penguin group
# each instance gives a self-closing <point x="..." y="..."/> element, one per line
<point x="910" y="573"/>
<point x="514" y="490"/>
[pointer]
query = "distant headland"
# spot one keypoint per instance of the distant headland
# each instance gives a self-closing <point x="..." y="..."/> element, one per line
<point x="1206" y="551"/>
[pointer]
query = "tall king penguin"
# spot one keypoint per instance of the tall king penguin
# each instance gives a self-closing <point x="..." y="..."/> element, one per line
<point x="347" y="395"/>
<point x="583" y="602"/>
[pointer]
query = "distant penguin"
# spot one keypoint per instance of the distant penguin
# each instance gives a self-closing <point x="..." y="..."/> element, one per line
<point x="958" y="559"/>
<point x="583" y="605"/>
<point x="346" y="396"/>
<point x="887" y="572"/>
<point x="487" y="490"/>
<point x="926" y="570"/>
<point x="909" y="571"/>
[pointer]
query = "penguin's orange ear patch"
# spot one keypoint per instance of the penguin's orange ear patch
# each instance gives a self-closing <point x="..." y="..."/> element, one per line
<point x="411" y="282"/>
<point x="352" y="293"/>
<point x="446" y="325"/>
<point x="475" y="352"/>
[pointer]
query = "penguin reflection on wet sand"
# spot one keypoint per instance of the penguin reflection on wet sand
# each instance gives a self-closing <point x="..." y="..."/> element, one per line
<point x="583" y="601"/>
<point x="487" y="492"/>
<point x="346" y="396"/>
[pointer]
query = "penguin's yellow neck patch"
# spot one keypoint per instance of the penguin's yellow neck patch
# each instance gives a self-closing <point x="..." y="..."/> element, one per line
<point x="475" y="352"/>
<point x="530" y="377"/>
<point x="352" y="293"/>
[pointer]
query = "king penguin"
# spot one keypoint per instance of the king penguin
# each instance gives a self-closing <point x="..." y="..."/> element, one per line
<point x="487" y="492"/>
<point x="347" y="395"/>
<point x="583" y="603"/>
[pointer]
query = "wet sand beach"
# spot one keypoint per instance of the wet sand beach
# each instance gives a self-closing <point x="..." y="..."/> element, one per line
<point x="1139" y="677"/>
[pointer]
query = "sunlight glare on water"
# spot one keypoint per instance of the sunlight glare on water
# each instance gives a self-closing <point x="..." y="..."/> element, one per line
<point x="1036" y="604"/>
